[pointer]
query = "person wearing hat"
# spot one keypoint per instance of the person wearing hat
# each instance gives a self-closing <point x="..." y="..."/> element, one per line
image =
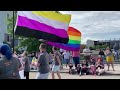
<point x="9" y="65"/>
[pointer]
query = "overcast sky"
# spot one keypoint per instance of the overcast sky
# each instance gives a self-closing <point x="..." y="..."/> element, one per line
<point x="96" y="25"/>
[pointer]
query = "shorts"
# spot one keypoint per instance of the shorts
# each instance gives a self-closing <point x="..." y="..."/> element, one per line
<point x="50" y="65"/>
<point x="109" y="59"/>
<point x="67" y="61"/>
<point x="42" y="76"/>
<point x="21" y="73"/>
<point x="56" y="68"/>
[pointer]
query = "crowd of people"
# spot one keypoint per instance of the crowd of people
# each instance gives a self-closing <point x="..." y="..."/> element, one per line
<point x="14" y="66"/>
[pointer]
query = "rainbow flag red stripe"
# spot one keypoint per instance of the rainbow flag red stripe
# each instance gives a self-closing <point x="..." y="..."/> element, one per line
<point x="73" y="43"/>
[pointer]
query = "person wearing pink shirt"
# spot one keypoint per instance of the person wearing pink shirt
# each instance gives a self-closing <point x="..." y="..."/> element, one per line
<point x="76" y="57"/>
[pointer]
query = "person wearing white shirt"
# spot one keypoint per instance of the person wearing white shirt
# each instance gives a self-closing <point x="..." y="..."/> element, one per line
<point x="87" y="54"/>
<point x="61" y="51"/>
<point x="66" y="55"/>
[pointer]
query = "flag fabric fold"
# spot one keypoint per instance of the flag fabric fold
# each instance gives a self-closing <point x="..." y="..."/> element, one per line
<point x="47" y="25"/>
<point x="73" y="43"/>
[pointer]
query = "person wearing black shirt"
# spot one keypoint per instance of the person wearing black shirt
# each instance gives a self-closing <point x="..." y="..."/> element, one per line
<point x="84" y="68"/>
<point x="102" y="54"/>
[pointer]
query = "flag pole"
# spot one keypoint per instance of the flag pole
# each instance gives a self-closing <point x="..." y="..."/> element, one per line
<point x="13" y="32"/>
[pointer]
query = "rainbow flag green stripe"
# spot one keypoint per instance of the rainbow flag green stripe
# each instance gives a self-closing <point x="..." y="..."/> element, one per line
<point x="74" y="42"/>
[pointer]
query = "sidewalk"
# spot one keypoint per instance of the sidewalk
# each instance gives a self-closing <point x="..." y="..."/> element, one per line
<point x="116" y="66"/>
<point x="64" y="74"/>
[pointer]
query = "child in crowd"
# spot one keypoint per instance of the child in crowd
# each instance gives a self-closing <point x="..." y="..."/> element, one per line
<point x="34" y="64"/>
<point x="70" y="68"/>
<point x="100" y="66"/>
<point x="92" y="69"/>
<point x="92" y="60"/>
<point x="84" y="68"/>
<point x="78" y="69"/>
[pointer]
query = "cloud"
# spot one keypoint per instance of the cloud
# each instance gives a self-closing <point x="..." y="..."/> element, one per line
<point x="96" y="25"/>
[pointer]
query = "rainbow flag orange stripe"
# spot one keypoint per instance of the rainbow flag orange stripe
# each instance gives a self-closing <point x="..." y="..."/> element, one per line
<point x="73" y="43"/>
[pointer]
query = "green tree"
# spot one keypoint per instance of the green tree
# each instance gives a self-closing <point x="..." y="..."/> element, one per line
<point x="91" y="48"/>
<point x="10" y="24"/>
<point x="32" y="44"/>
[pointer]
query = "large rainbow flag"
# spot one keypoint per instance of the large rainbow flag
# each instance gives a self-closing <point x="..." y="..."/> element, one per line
<point x="74" y="40"/>
<point x="47" y="25"/>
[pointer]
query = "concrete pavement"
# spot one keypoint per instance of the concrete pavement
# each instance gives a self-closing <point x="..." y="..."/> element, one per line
<point x="109" y="74"/>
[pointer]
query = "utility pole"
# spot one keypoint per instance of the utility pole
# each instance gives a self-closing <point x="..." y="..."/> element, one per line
<point x="13" y="32"/>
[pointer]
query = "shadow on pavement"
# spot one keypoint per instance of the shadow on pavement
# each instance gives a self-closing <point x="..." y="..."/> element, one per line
<point x="111" y="74"/>
<point x="105" y="74"/>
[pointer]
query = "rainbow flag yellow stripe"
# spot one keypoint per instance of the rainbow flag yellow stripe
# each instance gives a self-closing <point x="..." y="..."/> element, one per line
<point x="74" y="40"/>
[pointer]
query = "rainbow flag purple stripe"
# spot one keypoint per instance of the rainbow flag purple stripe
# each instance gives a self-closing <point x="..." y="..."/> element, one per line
<point x="74" y="41"/>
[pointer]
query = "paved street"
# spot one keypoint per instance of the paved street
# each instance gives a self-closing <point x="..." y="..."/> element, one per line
<point x="109" y="74"/>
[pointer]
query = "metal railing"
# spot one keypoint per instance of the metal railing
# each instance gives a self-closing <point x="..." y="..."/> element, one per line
<point x="96" y="55"/>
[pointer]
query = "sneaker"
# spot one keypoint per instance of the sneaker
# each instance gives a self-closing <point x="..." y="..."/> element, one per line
<point x="99" y="74"/>
<point x="80" y="74"/>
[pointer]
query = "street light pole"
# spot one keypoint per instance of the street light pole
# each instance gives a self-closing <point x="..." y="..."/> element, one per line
<point x="13" y="32"/>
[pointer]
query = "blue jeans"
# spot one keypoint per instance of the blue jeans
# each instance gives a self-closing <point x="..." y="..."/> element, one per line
<point x="67" y="61"/>
<point x="117" y="55"/>
<point x="76" y="61"/>
<point x="103" y="57"/>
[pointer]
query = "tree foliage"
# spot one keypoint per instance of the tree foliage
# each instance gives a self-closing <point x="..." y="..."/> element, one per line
<point x="99" y="47"/>
<point x="10" y="24"/>
<point x="32" y="44"/>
